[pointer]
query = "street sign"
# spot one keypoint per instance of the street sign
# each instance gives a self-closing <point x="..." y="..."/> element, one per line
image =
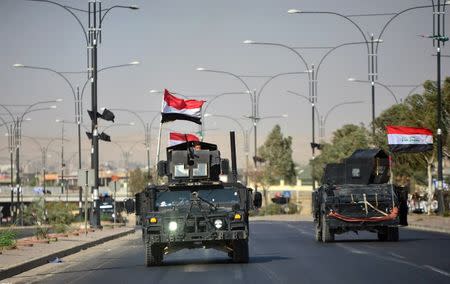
<point x="86" y="177"/>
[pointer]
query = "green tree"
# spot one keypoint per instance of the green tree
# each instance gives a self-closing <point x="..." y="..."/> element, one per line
<point x="344" y="142"/>
<point x="138" y="181"/>
<point x="418" y="110"/>
<point x="277" y="152"/>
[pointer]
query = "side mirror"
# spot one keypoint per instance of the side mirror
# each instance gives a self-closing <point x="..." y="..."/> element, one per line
<point x="225" y="166"/>
<point x="257" y="199"/>
<point x="162" y="168"/>
<point x="129" y="205"/>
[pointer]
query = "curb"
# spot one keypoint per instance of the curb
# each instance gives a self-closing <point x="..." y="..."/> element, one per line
<point x="428" y="229"/>
<point x="22" y="267"/>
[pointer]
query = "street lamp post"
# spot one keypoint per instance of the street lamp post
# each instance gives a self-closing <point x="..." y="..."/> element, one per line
<point x="44" y="150"/>
<point x="245" y="134"/>
<point x="18" y="120"/>
<point x="147" y="132"/>
<point x="93" y="37"/>
<point x="254" y="99"/>
<point x="9" y="132"/>
<point x="78" y="103"/>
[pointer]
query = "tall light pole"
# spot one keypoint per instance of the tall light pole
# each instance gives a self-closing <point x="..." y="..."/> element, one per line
<point x="18" y="120"/>
<point x="254" y="99"/>
<point x="147" y="129"/>
<point x="371" y="44"/>
<point x="78" y="103"/>
<point x="93" y="37"/>
<point x="44" y="150"/>
<point x="376" y="83"/>
<point x="9" y="132"/>
<point x="323" y="119"/>
<point x="313" y="74"/>
<point x="245" y="134"/>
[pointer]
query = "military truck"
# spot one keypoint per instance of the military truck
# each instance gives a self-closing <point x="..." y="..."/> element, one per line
<point x="356" y="195"/>
<point x="195" y="208"/>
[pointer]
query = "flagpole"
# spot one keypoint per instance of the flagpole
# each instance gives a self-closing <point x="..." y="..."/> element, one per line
<point x="159" y="139"/>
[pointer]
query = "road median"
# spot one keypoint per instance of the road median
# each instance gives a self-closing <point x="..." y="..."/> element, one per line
<point x="16" y="261"/>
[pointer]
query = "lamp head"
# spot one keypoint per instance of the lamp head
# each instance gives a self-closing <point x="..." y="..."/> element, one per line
<point x="200" y="69"/>
<point x="134" y="63"/>
<point x="134" y="7"/>
<point x="18" y="65"/>
<point x="207" y="115"/>
<point x="351" y="79"/>
<point x="248" y="41"/>
<point x="294" y="11"/>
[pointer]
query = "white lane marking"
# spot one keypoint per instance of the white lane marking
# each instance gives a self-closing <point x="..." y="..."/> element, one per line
<point x="238" y="274"/>
<point x="301" y="231"/>
<point x="195" y="268"/>
<point x="397" y="255"/>
<point x="437" y="270"/>
<point x="352" y="250"/>
<point x="269" y="273"/>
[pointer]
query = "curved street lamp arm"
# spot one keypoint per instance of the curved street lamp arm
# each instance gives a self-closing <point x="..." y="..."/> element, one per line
<point x="5" y="123"/>
<point x="345" y="17"/>
<point x="110" y="8"/>
<point x="35" y="141"/>
<point x="56" y="72"/>
<point x="208" y="102"/>
<point x="395" y="16"/>
<point x="134" y="113"/>
<point x="306" y="98"/>
<point x="32" y="110"/>
<point x="68" y="10"/>
<point x="270" y="79"/>
<point x="291" y="49"/>
<point x="9" y="112"/>
<point x="333" y="49"/>
<point x="388" y="89"/>
<point x="338" y="105"/>
<point x="413" y="89"/>
<point x="231" y="74"/>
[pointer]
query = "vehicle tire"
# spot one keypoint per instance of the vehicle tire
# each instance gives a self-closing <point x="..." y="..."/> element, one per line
<point x="327" y="234"/>
<point x="240" y="251"/>
<point x="383" y="234"/>
<point x="393" y="234"/>
<point x="318" y="232"/>
<point x="153" y="254"/>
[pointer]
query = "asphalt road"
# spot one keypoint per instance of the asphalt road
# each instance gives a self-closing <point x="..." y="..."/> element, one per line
<point x="281" y="252"/>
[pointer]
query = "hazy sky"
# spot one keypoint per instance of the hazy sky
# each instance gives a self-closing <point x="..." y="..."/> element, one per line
<point x="172" y="38"/>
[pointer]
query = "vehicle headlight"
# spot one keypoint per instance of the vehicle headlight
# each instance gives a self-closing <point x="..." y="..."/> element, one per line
<point x="173" y="226"/>
<point x="218" y="224"/>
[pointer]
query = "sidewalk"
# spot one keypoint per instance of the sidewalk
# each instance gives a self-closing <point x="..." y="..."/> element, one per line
<point x="415" y="221"/>
<point x="429" y="223"/>
<point x="25" y="257"/>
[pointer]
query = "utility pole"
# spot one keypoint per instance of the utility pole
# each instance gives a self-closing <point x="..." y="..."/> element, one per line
<point x="93" y="9"/>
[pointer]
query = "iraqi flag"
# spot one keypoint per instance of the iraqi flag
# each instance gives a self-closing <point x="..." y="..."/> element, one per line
<point x="174" y="108"/>
<point x="178" y="138"/>
<point x="409" y="139"/>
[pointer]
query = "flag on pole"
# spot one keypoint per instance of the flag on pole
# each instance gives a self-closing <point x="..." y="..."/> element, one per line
<point x="178" y="138"/>
<point x="409" y="139"/>
<point x="174" y="108"/>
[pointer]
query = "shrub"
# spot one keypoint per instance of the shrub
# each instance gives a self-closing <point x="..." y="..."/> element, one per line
<point x="42" y="232"/>
<point x="60" y="228"/>
<point x="59" y="213"/>
<point x="7" y="238"/>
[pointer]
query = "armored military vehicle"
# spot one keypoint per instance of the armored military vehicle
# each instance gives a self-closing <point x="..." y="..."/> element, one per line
<point x="195" y="209"/>
<point x="356" y="195"/>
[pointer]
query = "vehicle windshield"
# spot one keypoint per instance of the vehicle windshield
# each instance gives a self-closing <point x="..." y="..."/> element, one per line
<point x="220" y="196"/>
